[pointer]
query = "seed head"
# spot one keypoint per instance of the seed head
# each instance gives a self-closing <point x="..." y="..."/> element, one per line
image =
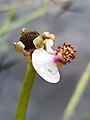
<point x="27" y="38"/>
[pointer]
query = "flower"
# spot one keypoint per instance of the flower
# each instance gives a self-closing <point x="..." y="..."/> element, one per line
<point x="38" y="49"/>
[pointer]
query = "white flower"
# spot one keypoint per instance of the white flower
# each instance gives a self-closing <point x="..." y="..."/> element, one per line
<point x="44" y="61"/>
<point x="45" y="66"/>
<point x="38" y="50"/>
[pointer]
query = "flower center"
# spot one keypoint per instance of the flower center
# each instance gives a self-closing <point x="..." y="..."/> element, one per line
<point x="68" y="53"/>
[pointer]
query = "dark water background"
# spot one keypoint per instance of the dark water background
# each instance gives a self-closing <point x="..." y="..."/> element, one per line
<point x="48" y="101"/>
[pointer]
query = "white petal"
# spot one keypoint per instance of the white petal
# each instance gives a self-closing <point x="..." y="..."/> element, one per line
<point x="49" y="44"/>
<point x="44" y="65"/>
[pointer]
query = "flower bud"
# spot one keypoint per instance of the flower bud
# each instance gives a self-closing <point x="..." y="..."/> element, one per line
<point x="47" y="35"/>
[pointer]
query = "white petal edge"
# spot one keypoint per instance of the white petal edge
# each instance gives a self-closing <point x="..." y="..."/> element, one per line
<point x="44" y="65"/>
<point x="49" y="44"/>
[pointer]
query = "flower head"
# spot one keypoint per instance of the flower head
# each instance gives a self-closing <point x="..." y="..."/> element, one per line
<point x="68" y="53"/>
<point x="37" y="49"/>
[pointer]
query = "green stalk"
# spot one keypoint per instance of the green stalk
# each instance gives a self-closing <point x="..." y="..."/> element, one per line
<point x="4" y="28"/>
<point x="18" y="23"/>
<point x="80" y="88"/>
<point x="25" y="93"/>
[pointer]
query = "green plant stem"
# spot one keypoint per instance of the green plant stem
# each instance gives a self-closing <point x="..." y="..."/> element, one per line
<point x="6" y="7"/>
<point x="86" y="115"/>
<point x="18" y="23"/>
<point x="28" y="18"/>
<point x="5" y="27"/>
<point x="41" y="11"/>
<point x="83" y="82"/>
<point x="25" y="93"/>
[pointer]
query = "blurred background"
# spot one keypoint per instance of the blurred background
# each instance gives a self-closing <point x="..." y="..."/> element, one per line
<point x="69" y="20"/>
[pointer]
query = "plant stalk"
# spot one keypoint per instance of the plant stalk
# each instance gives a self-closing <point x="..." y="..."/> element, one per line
<point x="25" y="93"/>
<point x="80" y="88"/>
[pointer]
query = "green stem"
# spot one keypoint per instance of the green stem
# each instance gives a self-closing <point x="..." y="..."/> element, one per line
<point x="4" y="28"/>
<point x="25" y="93"/>
<point x="27" y="18"/>
<point x="18" y="23"/>
<point x="80" y="88"/>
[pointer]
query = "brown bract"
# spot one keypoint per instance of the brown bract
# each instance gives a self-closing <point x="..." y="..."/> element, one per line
<point x="27" y="38"/>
